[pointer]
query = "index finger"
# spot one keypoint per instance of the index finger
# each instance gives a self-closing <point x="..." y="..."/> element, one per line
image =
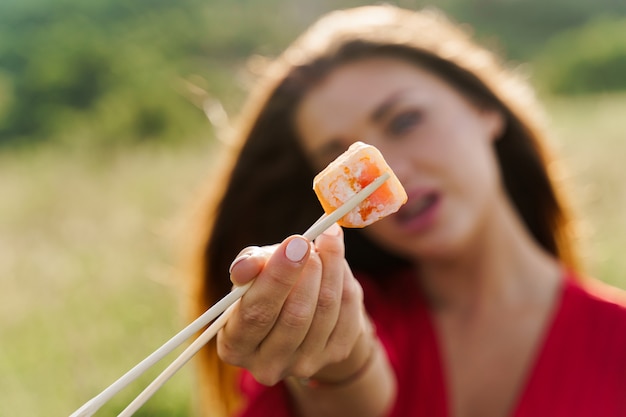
<point x="260" y="306"/>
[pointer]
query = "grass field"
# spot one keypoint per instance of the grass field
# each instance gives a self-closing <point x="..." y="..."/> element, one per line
<point x="88" y="282"/>
<point x="590" y="135"/>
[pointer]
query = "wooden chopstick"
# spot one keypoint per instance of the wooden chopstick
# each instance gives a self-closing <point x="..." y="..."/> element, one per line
<point x="227" y="303"/>
<point x="93" y="405"/>
<point x="178" y="363"/>
<point x="323" y="223"/>
<point x="329" y="219"/>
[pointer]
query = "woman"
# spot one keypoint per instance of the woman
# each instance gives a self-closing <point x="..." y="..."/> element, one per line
<point x="467" y="302"/>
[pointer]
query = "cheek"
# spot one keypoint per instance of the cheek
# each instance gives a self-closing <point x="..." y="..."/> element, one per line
<point x="390" y="238"/>
<point x="476" y="179"/>
<point x="382" y="232"/>
<point x="477" y="196"/>
<point x="469" y="154"/>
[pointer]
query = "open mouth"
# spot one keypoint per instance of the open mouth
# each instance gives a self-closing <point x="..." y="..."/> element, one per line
<point x="417" y="207"/>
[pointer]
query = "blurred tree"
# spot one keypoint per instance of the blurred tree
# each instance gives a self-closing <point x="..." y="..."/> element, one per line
<point x="586" y="60"/>
<point x="109" y="71"/>
<point x="523" y="27"/>
<point x="117" y="72"/>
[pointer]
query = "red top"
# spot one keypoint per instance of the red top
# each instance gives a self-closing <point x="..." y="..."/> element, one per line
<point x="579" y="371"/>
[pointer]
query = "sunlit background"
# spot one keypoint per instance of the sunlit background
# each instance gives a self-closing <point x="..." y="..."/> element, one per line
<point x="110" y="114"/>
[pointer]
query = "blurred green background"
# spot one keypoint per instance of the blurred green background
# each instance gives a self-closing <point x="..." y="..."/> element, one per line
<point x="109" y="114"/>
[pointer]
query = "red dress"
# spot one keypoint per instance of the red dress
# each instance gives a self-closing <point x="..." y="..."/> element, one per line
<point x="579" y="371"/>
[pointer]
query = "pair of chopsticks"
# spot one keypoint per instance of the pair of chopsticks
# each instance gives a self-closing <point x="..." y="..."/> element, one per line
<point x="218" y="314"/>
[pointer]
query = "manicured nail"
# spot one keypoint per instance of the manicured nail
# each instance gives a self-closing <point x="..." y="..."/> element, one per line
<point x="238" y="259"/>
<point x="296" y="249"/>
<point x="333" y="230"/>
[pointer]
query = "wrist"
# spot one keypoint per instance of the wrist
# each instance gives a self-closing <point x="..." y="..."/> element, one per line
<point x="363" y="384"/>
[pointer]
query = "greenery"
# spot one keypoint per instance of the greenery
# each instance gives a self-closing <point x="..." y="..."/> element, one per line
<point x="588" y="59"/>
<point x="89" y="274"/>
<point x="112" y="71"/>
<point x="104" y="141"/>
<point x="108" y="73"/>
<point x="522" y="28"/>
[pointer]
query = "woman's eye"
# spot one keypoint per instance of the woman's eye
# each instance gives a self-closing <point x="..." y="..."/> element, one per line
<point x="404" y="122"/>
<point x="328" y="153"/>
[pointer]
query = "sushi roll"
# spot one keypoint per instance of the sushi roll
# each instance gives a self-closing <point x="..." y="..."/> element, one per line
<point x="348" y="174"/>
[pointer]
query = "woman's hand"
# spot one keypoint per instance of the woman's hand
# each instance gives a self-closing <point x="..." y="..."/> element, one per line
<point x="302" y="317"/>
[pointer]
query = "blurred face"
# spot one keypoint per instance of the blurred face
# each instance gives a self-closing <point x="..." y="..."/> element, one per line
<point x="436" y="141"/>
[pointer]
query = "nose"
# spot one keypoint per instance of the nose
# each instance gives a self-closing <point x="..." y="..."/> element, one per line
<point x="399" y="161"/>
<point x="397" y="154"/>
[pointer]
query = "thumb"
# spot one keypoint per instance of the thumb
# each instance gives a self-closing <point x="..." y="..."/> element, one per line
<point x="248" y="264"/>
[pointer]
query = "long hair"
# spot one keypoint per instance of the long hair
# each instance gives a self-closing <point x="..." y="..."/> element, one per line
<point x="264" y="192"/>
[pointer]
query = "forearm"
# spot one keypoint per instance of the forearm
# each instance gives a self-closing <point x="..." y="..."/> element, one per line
<point x="366" y="392"/>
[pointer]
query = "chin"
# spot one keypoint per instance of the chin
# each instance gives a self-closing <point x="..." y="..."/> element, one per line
<point x="430" y="247"/>
<point x="437" y="243"/>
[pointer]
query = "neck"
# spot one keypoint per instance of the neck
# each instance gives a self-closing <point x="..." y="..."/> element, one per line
<point x="503" y="266"/>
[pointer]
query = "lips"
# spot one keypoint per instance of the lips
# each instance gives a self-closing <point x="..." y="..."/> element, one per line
<point x="419" y="211"/>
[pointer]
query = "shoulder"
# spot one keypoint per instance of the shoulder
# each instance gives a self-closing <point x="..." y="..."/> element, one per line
<point x="599" y="294"/>
<point x="597" y="305"/>
<point x="605" y="293"/>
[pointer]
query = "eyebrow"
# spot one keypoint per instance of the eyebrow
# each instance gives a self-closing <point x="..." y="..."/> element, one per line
<point x="384" y="108"/>
<point x="330" y="148"/>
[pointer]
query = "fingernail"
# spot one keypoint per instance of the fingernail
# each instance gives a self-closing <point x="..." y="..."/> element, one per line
<point x="333" y="230"/>
<point x="296" y="249"/>
<point x="237" y="260"/>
